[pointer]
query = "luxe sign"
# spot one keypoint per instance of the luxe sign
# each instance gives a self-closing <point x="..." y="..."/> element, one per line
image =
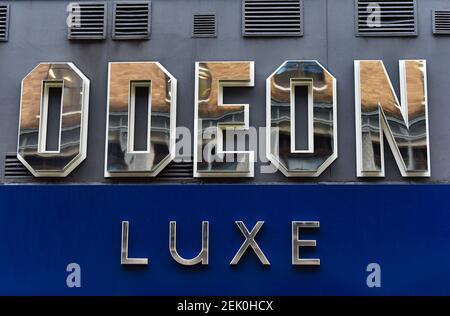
<point x="378" y="112"/>
<point x="249" y="242"/>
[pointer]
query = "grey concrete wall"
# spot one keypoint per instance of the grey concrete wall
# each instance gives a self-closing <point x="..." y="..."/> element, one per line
<point x="38" y="33"/>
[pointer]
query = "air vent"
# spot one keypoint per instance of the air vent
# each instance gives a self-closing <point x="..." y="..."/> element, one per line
<point x="441" y="22"/>
<point x="87" y="20"/>
<point x="14" y="169"/>
<point x="132" y="20"/>
<point x="178" y="171"/>
<point x="386" y="18"/>
<point x="204" y="25"/>
<point x="272" y="18"/>
<point x="4" y="22"/>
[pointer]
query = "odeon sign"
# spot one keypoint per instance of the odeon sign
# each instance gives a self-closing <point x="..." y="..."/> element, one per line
<point x="378" y="112"/>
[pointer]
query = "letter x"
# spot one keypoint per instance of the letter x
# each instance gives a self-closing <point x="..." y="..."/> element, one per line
<point x="250" y="241"/>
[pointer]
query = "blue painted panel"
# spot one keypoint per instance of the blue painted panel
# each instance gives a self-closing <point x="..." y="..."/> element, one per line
<point x="406" y="229"/>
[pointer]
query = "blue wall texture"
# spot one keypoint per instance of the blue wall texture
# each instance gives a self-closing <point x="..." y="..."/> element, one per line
<point x="405" y="229"/>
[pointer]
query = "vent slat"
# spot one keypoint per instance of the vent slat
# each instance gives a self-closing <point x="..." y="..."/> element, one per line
<point x="135" y="23"/>
<point x="126" y="16"/>
<point x="14" y="169"/>
<point x="88" y="20"/>
<point x="204" y="25"/>
<point x="395" y="18"/>
<point x="272" y="18"/>
<point x="132" y="20"/>
<point x="441" y="22"/>
<point x="178" y="171"/>
<point x="4" y="22"/>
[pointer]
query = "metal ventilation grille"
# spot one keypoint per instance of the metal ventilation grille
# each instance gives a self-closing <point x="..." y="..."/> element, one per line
<point x="272" y="18"/>
<point x="204" y="25"/>
<point x="386" y="18"/>
<point x="4" y="22"/>
<point x="14" y="168"/>
<point x="441" y="21"/>
<point x="88" y="20"/>
<point x="132" y="20"/>
<point x="178" y="171"/>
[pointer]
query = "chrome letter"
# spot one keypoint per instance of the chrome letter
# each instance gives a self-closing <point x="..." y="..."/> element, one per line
<point x="296" y="244"/>
<point x="122" y="160"/>
<point x="322" y="118"/>
<point x="250" y="241"/>
<point x="202" y="257"/>
<point x="404" y="123"/>
<point x="212" y="117"/>
<point x="72" y="149"/>
<point x="124" y="251"/>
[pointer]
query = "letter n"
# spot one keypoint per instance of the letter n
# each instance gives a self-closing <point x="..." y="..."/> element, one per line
<point x="379" y="112"/>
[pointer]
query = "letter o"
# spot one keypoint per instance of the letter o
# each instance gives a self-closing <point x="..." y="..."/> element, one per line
<point x="72" y="147"/>
<point x="322" y="118"/>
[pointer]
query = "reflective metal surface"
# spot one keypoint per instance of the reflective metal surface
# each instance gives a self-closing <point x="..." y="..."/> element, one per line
<point x="250" y="242"/>
<point x="121" y="159"/>
<point x="404" y="123"/>
<point x="124" y="260"/>
<point x="297" y="243"/>
<point x="322" y="145"/>
<point x="33" y="120"/>
<point x="202" y="257"/>
<point x="212" y="118"/>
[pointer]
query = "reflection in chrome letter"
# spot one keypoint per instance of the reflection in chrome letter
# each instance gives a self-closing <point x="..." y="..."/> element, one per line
<point x="296" y="244"/>
<point x="404" y="123"/>
<point x="202" y="257"/>
<point x="72" y="146"/>
<point x="121" y="158"/>
<point x="212" y="117"/>
<point x="322" y="144"/>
